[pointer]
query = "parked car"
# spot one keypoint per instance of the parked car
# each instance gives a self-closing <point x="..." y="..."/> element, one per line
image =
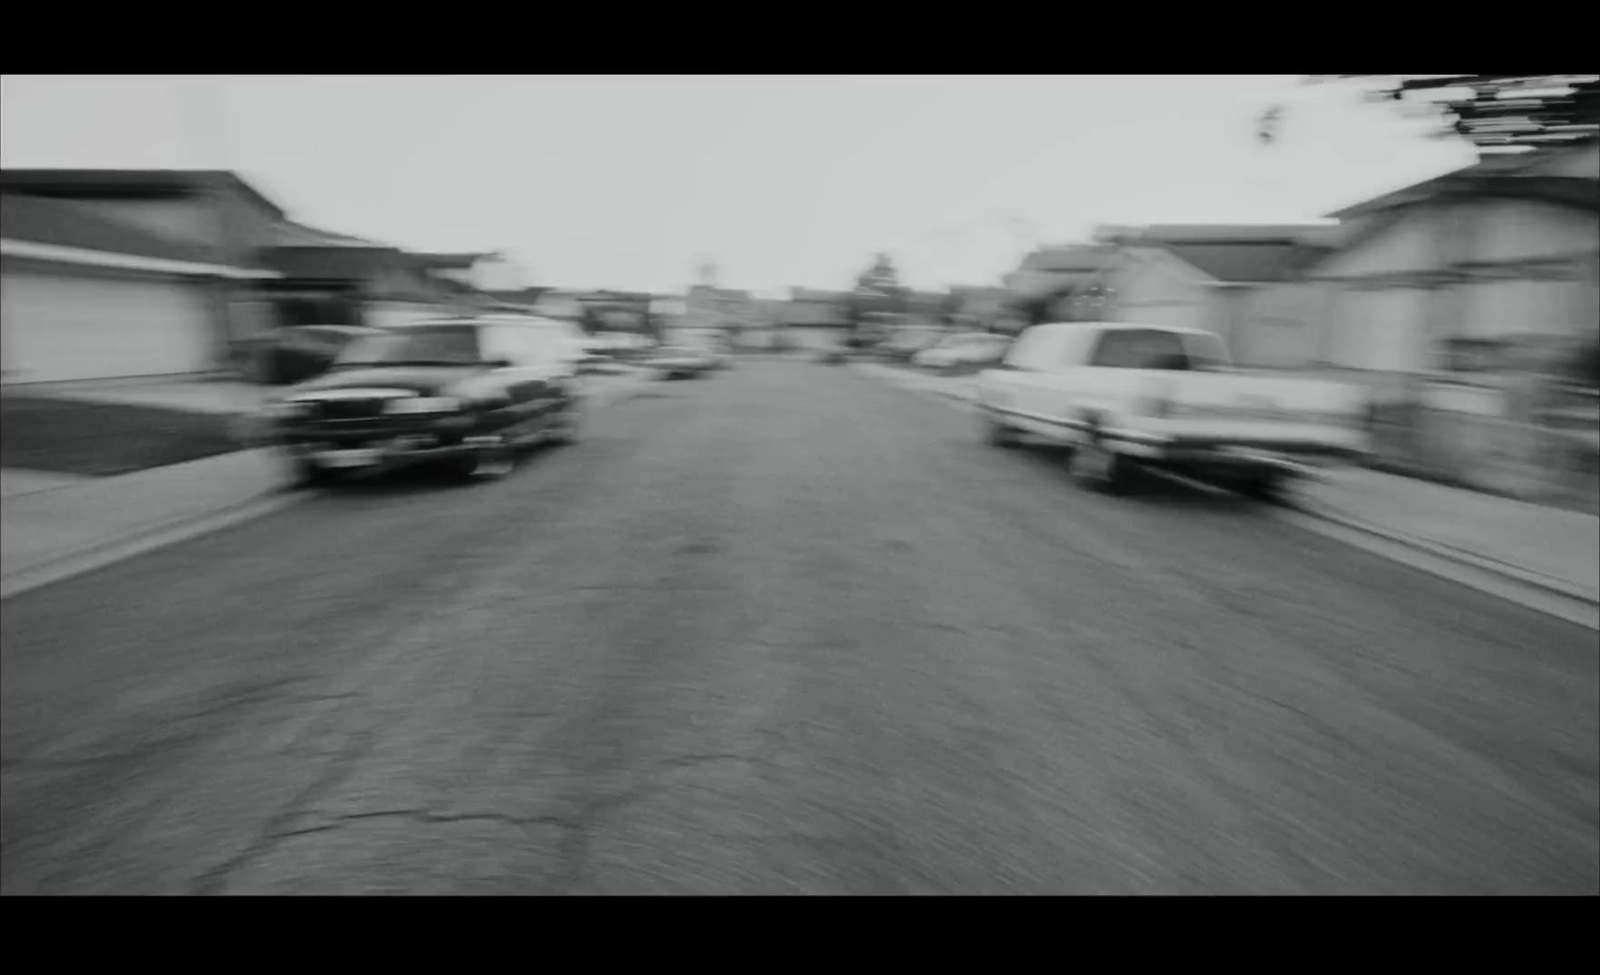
<point x="463" y="393"/>
<point x="968" y="350"/>
<point x="1125" y="397"/>
<point x="906" y="341"/>
<point x="683" y="361"/>
<point x="297" y="353"/>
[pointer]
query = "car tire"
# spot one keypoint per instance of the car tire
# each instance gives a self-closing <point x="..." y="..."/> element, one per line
<point x="999" y="434"/>
<point x="1101" y="469"/>
<point x="1264" y="488"/>
<point x="565" y="431"/>
<point x="487" y="464"/>
<point x="309" y="476"/>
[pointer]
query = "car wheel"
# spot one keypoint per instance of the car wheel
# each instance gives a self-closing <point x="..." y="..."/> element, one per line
<point x="487" y="464"/>
<point x="1099" y="468"/>
<point x="309" y="476"/>
<point x="1000" y="434"/>
<point x="1272" y="488"/>
<point x="565" y="429"/>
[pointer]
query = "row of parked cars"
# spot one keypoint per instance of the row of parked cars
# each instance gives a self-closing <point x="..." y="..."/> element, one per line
<point x="942" y="350"/>
<point x="467" y="394"/>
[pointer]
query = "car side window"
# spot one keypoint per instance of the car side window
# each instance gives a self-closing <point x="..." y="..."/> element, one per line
<point x="1135" y="349"/>
<point x="1111" y="352"/>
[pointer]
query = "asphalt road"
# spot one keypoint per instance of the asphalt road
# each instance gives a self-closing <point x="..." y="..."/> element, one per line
<point x="788" y="630"/>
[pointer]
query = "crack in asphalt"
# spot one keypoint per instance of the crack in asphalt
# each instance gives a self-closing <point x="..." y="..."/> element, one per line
<point x="574" y="850"/>
<point x="276" y="830"/>
<point x="182" y="729"/>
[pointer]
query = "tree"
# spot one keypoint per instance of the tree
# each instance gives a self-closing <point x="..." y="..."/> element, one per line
<point x="1494" y="111"/>
<point x="877" y="291"/>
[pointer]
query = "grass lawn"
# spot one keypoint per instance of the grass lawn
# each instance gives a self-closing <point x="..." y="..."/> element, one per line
<point x="102" y="439"/>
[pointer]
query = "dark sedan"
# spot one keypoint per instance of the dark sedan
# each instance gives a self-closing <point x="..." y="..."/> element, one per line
<point x="465" y="393"/>
<point x="297" y="353"/>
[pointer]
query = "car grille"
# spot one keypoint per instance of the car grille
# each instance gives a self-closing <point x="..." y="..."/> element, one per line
<point x="349" y="409"/>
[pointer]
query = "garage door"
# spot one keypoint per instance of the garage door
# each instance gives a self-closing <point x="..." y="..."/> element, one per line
<point x="61" y="327"/>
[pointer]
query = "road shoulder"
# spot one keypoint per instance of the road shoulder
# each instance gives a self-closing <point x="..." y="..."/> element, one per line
<point x="1363" y="512"/>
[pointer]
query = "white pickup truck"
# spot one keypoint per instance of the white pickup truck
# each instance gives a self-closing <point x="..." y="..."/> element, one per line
<point x="1126" y="396"/>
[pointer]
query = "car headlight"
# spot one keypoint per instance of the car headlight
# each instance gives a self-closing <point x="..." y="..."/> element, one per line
<point x="424" y="404"/>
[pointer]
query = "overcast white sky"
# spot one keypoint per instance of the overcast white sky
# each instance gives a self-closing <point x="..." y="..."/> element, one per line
<point x="625" y="181"/>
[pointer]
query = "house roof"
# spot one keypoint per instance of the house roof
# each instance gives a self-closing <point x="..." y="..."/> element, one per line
<point x="64" y="224"/>
<point x="128" y="183"/>
<point x="1244" y="261"/>
<point x="1493" y="175"/>
<point x="337" y="263"/>
<point x="447" y="262"/>
<point x="1068" y="258"/>
<point x="1208" y="233"/>
<point x="291" y="234"/>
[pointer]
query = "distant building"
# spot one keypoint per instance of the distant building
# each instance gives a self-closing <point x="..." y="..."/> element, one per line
<point x="1242" y="282"/>
<point x="980" y="309"/>
<point x="296" y="274"/>
<point x="811" y="308"/>
<point x="1042" y="285"/>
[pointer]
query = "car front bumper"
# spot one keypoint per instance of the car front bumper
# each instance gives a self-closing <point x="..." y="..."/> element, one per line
<point x="1299" y="460"/>
<point x="384" y="443"/>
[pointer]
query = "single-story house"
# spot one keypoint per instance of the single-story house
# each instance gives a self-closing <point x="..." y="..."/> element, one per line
<point x="1242" y="282"/>
<point x="981" y="309"/>
<point x="302" y="275"/>
<point x="1043" y="285"/>
<point x="84" y="296"/>
<point x="1471" y="304"/>
<point x="334" y="279"/>
<point x="229" y="218"/>
<point x="1454" y="274"/>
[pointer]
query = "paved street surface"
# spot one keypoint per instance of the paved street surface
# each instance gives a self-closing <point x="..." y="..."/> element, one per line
<point x="788" y="630"/>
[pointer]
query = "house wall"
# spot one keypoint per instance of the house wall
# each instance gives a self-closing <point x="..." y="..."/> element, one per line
<point x="1151" y="287"/>
<point x="1529" y="274"/>
<point x="234" y="224"/>
<point x="1526" y="278"/>
<point x="1277" y="325"/>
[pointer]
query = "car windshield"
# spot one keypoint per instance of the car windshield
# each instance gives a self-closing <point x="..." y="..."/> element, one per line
<point x="431" y="345"/>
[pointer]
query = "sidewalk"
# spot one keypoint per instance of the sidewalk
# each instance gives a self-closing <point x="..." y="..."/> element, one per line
<point x="53" y="526"/>
<point x="47" y="530"/>
<point x="1549" y="547"/>
<point x="1553" y="547"/>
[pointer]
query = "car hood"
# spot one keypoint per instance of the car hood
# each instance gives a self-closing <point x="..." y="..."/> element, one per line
<point x="418" y="379"/>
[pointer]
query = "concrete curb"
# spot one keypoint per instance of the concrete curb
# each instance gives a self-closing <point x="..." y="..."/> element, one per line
<point x="1531" y="590"/>
<point x="142" y="541"/>
<point x="1464" y="557"/>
